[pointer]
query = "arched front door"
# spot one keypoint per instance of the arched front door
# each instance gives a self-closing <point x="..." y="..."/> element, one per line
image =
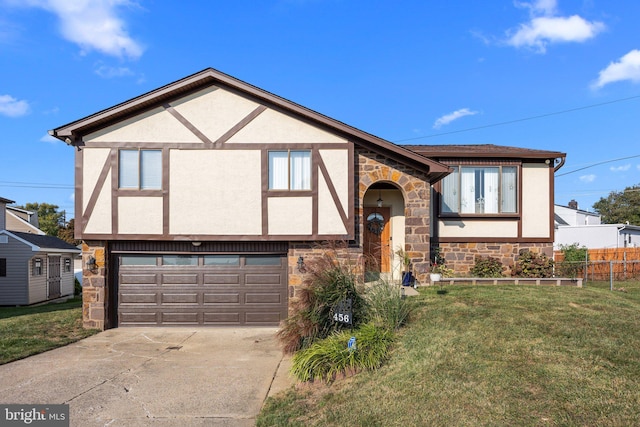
<point x="377" y="243"/>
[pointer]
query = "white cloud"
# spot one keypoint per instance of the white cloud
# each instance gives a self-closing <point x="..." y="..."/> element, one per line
<point x="627" y="68"/>
<point x="448" y="118"/>
<point x="48" y="138"/>
<point x="587" y="178"/>
<point x="9" y="106"/>
<point x="107" y="72"/>
<point x="620" y="168"/>
<point x="545" y="27"/>
<point x="93" y="25"/>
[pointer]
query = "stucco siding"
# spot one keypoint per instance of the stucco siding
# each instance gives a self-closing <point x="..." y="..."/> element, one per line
<point x="329" y="220"/>
<point x="100" y="220"/>
<point x="536" y="200"/>
<point x="14" y="288"/>
<point x="214" y="111"/>
<point x="140" y="215"/>
<point x="156" y="125"/>
<point x="93" y="160"/>
<point x="455" y="228"/>
<point x="337" y="163"/>
<point x="275" y="127"/>
<point x="290" y="215"/>
<point x="215" y="192"/>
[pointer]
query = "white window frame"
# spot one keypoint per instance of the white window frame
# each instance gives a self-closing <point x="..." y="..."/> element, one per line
<point x="480" y="190"/>
<point x="296" y="177"/>
<point x="139" y="169"/>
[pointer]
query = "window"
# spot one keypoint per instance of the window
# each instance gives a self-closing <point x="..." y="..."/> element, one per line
<point x="37" y="267"/>
<point x="480" y="190"/>
<point x="3" y="267"/>
<point x="179" y="260"/>
<point x="290" y="170"/>
<point x="138" y="260"/>
<point x="67" y="265"/>
<point x="263" y="260"/>
<point x="140" y="169"/>
<point x="222" y="260"/>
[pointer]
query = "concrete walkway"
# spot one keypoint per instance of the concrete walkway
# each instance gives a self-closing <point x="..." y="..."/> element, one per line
<point x="154" y="376"/>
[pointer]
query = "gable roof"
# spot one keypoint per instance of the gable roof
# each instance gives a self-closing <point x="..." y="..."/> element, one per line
<point x="42" y="243"/>
<point x="6" y="201"/>
<point x="483" y="150"/>
<point x="73" y="132"/>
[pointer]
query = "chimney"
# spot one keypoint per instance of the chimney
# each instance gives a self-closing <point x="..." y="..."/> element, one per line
<point x="573" y="204"/>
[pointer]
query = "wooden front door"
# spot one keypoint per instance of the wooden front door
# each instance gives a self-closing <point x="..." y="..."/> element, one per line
<point x="377" y="244"/>
<point x="53" y="277"/>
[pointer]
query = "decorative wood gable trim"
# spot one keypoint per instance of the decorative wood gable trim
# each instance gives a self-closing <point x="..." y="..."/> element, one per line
<point x="107" y="167"/>
<point x="240" y="125"/>
<point x="186" y="123"/>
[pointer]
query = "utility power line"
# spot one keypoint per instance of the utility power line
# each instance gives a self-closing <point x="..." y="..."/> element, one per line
<point x="597" y="164"/>
<point x="35" y="185"/>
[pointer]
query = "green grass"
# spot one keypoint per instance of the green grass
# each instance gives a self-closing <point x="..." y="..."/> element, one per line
<point x="25" y="331"/>
<point x="493" y="356"/>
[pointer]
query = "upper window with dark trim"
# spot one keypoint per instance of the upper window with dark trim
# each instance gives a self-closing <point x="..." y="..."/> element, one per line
<point x="67" y="265"/>
<point x="140" y="169"/>
<point x="290" y="170"/>
<point x="3" y="267"/>
<point x="37" y="267"/>
<point x="480" y="190"/>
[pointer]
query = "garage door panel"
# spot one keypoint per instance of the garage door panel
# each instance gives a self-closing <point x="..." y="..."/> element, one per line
<point x="220" y="318"/>
<point x="138" y="279"/>
<point x="221" y="279"/>
<point x="179" y="318"/>
<point x="180" y="279"/>
<point x="137" y="318"/>
<point x="262" y="279"/>
<point x="222" y="298"/>
<point x="139" y="298"/>
<point x="262" y="298"/>
<point x="262" y="318"/>
<point x="175" y="298"/>
<point x="203" y="294"/>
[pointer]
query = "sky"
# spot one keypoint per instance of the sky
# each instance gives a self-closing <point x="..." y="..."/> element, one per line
<point x="543" y="74"/>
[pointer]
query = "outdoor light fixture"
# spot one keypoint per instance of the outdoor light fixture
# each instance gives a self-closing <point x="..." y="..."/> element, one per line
<point x="300" y="263"/>
<point x="196" y="244"/>
<point x="91" y="263"/>
<point x="379" y="199"/>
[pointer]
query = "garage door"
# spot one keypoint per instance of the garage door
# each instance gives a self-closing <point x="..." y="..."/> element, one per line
<point x="186" y="290"/>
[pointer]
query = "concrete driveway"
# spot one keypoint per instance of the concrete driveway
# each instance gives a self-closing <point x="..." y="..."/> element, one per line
<point x="154" y="376"/>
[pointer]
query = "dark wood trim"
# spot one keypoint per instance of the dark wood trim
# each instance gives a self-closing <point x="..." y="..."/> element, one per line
<point x="224" y="238"/>
<point x="265" y="191"/>
<point x="351" y="226"/>
<point x="315" y="164"/>
<point x="115" y="173"/>
<point x="240" y="125"/>
<point x="481" y="217"/>
<point x="97" y="189"/>
<point x="132" y="192"/>
<point x="520" y="186"/>
<point x="495" y="240"/>
<point x="552" y="228"/>
<point x="166" y="173"/>
<point x="186" y="123"/>
<point x="79" y="222"/>
<point x="289" y="193"/>
<point x="333" y="192"/>
<point x="150" y="145"/>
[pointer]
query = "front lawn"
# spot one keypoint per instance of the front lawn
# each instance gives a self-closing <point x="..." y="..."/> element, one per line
<point x="493" y="356"/>
<point x="25" y="331"/>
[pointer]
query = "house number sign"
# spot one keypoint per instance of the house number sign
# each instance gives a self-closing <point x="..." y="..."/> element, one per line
<point x="342" y="312"/>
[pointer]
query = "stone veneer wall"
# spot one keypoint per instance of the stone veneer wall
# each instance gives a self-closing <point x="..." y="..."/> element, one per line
<point x="461" y="256"/>
<point x="371" y="168"/>
<point x="93" y="286"/>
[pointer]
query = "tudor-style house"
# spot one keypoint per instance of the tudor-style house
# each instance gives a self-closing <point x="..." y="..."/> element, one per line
<point x="199" y="203"/>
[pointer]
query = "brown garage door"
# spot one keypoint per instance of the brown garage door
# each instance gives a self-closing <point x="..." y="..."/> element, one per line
<point x="186" y="290"/>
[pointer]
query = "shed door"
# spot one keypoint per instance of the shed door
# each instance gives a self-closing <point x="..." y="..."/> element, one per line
<point x="53" y="277"/>
<point x="185" y="290"/>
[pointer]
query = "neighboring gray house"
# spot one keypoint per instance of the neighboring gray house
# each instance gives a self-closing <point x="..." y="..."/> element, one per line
<point x="33" y="267"/>
<point x="585" y="228"/>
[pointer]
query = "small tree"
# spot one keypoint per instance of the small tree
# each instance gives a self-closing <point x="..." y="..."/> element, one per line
<point x="574" y="258"/>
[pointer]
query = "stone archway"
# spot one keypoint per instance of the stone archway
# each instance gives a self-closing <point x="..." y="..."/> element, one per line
<point x="415" y="187"/>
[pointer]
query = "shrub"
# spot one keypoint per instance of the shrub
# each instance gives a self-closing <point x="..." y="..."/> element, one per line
<point x="77" y="287"/>
<point x="328" y="282"/>
<point x="327" y="358"/>
<point x="487" y="267"/>
<point x="386" y="307"/>
<point x="532" y="264"/>
<point x="574" y="259"/>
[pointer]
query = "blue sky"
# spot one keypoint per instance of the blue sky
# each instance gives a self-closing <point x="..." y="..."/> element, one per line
<point x="555" y="75"/>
